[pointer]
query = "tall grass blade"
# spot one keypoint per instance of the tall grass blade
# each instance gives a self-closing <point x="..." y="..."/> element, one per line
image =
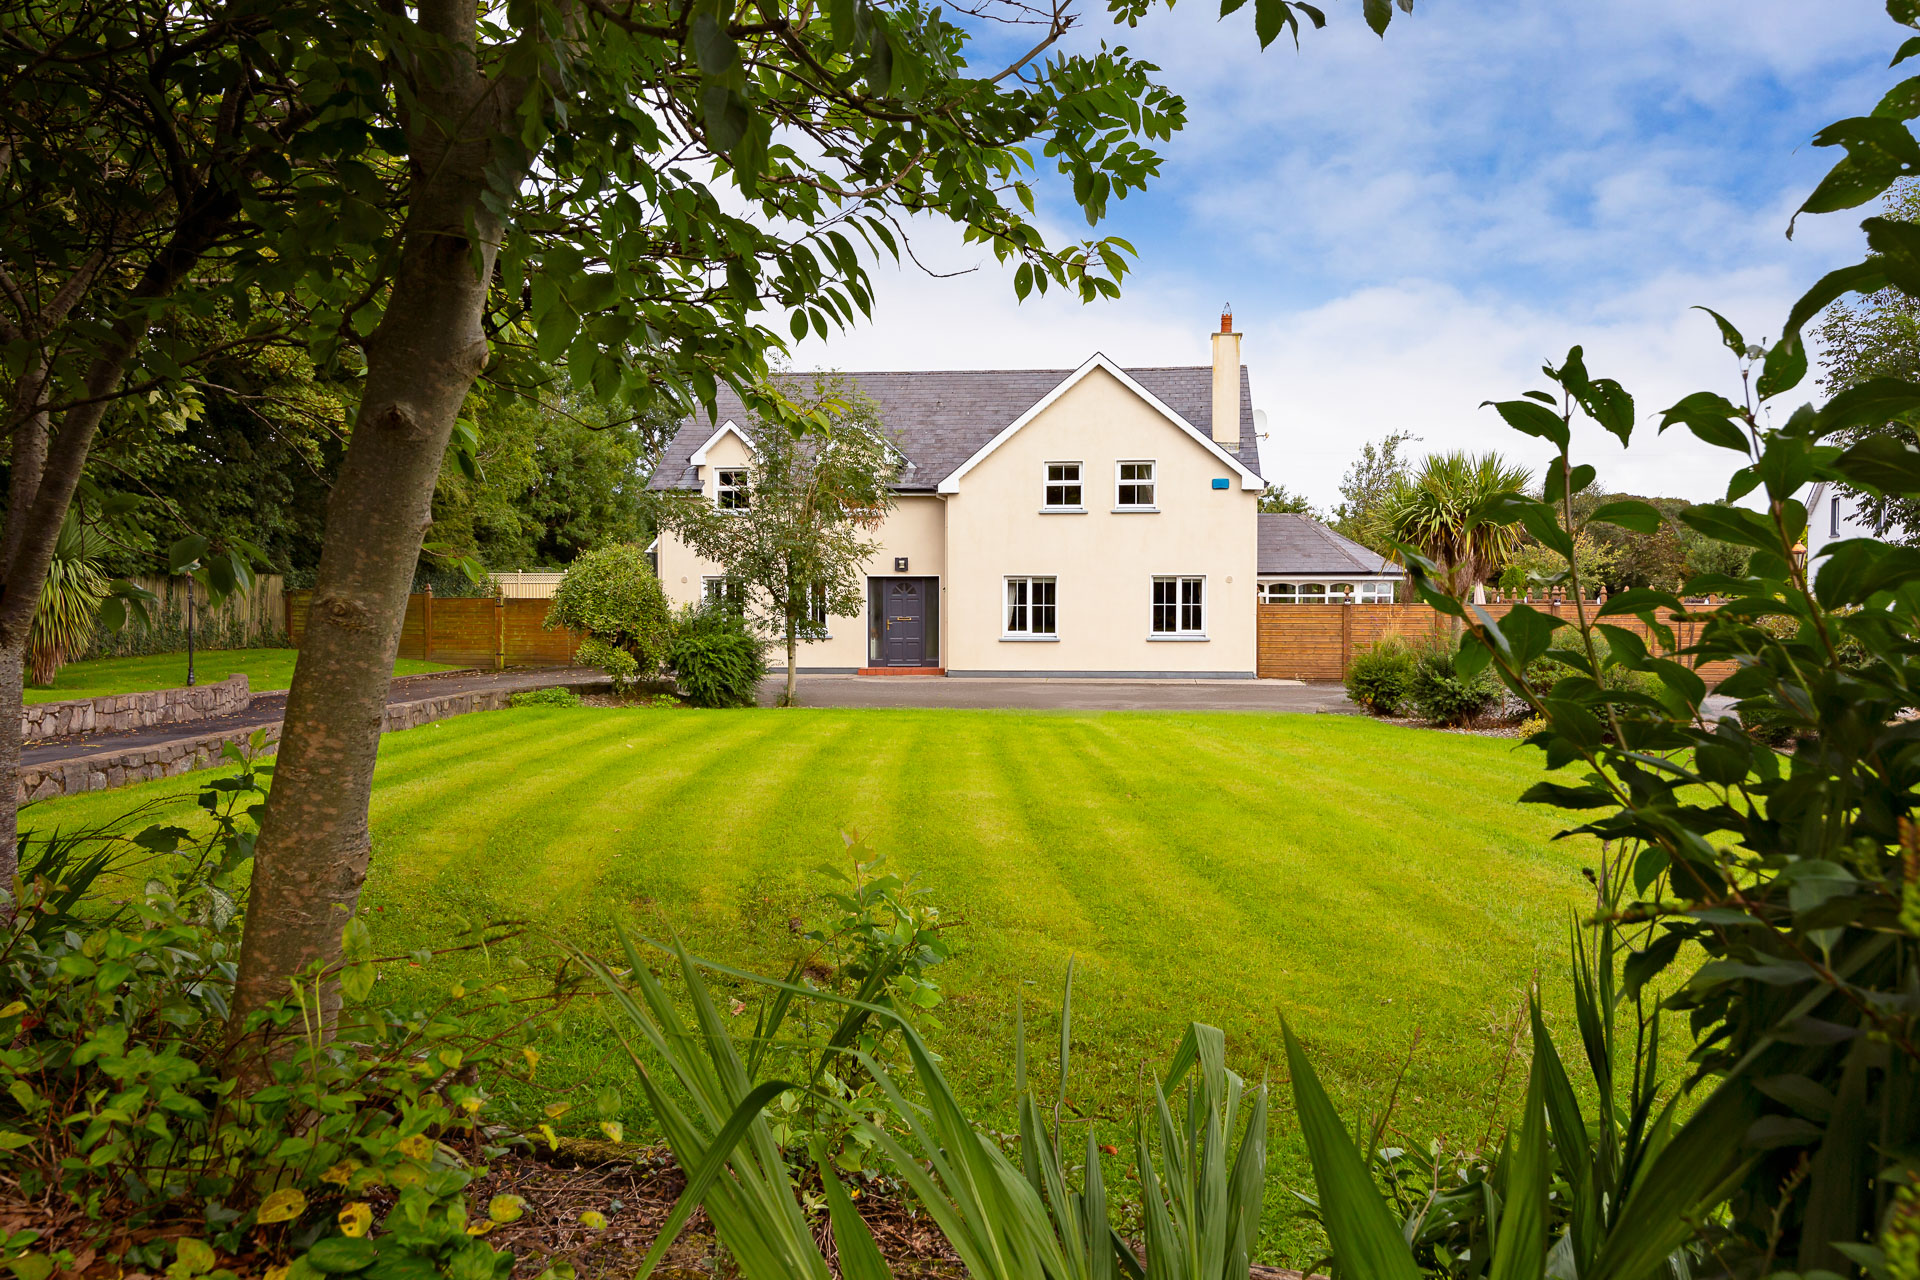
<point x="1520" y="1248"/>
<point x="1366" y="1240"/>
<point x="860" y="1258"/>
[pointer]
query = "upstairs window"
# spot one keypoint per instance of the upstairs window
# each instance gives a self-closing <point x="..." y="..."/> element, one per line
<point x="1179" y="606"/>
<point x="730" y="493"/>
<point x="1136" y="486"/>
<point x="1063" y="487"/>
<point x="1030" y="607"/>
<point x="1834" y="517"/>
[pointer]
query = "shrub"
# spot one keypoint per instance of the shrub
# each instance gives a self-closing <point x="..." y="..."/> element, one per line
<point x="1380" y="677"/>
<point x="1441" y="695"/>
<point x="717" y="659"/>
<point x="555" y="697"/>
<point x="612" y="595"/>
<point x="122" y="1112"/>
<point x="619" y="665"/>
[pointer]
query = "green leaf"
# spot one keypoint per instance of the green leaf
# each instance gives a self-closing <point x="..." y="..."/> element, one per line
<point x="1786" y="365"/>
<point x="341" y="1255"/>
<point x="1629" y="513"/>
<point x="1862" y="277"/>
<point x="860" y="1258"/>
<point x="1520" y="1248"/>
<point x="1882" y="463"/>
<point x="1534" y="419"/>
<point x="1737" y="525"/>
<point x="1872" y="403"/>
<point x="1366" y="1239"/>
<point x="1378" y="14"/>
<point x="1728" y="334"/>
<point x="1712" y="418"/>
<point x="185" y="554"/>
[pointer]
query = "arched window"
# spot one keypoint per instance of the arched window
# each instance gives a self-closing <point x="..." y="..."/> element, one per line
<point x="1313" y="593"/>
<point x="1277" y="593"/>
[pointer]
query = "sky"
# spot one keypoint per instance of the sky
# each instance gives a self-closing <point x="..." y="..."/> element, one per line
<point x="1408" y="227"/>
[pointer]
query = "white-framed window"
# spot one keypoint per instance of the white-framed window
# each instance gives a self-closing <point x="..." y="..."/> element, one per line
<point x="1277" y="593"/>
<point x="1340" y="593"/>
<point x="717" y="588"/>
<point x="1032" y="607"/>
<point x="1313" y="593"/>
<point x="1063" y="487"/>
<point x="730" y="488"/>
<point x="1179" y="606"/>
<point x="1834" y="511"/>
<point x="1376" y="593"/>
<point x="1134" y="485"/>
<point x="817" y="605"/>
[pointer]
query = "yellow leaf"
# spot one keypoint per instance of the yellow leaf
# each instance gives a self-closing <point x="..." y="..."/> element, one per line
<point x="532" y="1055"/>
<point x="459" y="991"/>
<point x="284" y="1205"/>
<point x="356" y="1218"/>
<point x="506" y="1208"/>
<point x="557" y="1109"/>
<point x="613" y="1130"/>
<point x="14" y="1009"/>
<point x="470" y="1104"/>
<point x="594" y="1220"/>
<point x="277" y="1273"/>
<point x="480" y="1228"/>
<point x="419" y="1146"/>
<point x="553" y="1141"/>
<point x="341" y="1173"/>
<point x="408" y="1175"/>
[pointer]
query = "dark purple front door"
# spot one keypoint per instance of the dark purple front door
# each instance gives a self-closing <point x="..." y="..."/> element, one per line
<point x="905" y="642"/>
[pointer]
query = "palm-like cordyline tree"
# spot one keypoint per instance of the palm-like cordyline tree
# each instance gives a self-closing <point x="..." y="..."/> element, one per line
<point x="1445" y="511"/>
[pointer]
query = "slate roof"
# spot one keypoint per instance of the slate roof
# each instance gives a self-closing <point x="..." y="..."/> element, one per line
<point x="1292" y="544"/>
<point x="939" y="419"/>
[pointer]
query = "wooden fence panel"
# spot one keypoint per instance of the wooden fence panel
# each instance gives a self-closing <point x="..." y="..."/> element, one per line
<point x="464" y="632"/>
<point x="1316" y="642"/>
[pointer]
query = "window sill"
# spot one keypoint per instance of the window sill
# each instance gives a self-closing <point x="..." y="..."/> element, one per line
<point x="1199" y="639"/>
<point x="1029" y="639"/>
<point x="1063" y="511"/>
<point x="1136" y="511"/>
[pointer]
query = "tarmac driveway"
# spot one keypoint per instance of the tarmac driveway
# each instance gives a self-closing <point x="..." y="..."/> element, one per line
<point x="1065" y="695"/>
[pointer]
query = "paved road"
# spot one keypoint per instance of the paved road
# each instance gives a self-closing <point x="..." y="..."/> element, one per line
<point x="1065" y="695"/>
<point x="268" y="708"/>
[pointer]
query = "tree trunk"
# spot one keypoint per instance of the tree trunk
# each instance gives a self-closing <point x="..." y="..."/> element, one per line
<point x="793" y="667"/>
<point x="47" y="468"/>
<point x="314" y="846"/>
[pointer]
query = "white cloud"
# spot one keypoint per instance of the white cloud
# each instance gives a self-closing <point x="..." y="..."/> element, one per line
<point x="1407" y="228"/>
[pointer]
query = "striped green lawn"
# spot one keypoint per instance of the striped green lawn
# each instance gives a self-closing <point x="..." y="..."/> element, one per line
<point x="1364" y="880"/>
<point x="266" y="669"/>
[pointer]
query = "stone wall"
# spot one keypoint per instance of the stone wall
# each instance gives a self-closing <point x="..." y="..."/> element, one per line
<point x="119" y="712"/>
<point x="182" y="755"/>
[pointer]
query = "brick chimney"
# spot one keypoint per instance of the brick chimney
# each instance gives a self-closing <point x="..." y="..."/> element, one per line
<point x="1226" y="384"/>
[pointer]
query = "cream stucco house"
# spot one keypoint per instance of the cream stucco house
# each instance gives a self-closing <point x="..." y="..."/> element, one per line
<point x="1097" y="521"/>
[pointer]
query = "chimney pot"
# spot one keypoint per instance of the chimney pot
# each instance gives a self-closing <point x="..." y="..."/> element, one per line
<point x="1226" y="318"/>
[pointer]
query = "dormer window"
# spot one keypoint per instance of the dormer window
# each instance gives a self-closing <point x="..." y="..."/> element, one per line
<point x="730" y="488"/>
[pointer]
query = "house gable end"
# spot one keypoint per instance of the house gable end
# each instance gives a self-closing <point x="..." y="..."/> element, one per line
<point x="1248" y="480"/>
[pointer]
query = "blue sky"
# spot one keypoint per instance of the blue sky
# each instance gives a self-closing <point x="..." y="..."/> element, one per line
<point x="1408" y="227"/>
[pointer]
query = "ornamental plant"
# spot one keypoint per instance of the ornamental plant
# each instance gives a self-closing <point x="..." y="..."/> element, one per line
<point x="120" y="1105"/>
<point x="613" y="596"/>
<point x="1776" y="890"/>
